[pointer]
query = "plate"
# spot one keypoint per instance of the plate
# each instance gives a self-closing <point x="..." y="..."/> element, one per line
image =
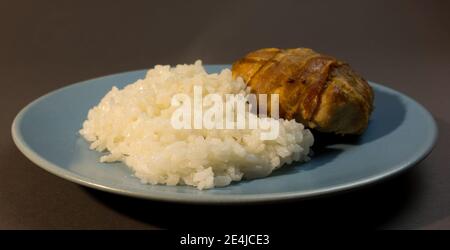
<point x="401" y="132"/>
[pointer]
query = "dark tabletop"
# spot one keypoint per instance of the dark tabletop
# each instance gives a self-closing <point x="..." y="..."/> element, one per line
<point x="45" y="45"/>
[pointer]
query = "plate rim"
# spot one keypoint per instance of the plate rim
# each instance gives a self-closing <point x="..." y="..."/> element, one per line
<point x="61" y="172"/>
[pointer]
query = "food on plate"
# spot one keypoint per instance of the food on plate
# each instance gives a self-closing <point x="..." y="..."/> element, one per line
<point x="133" y="125"/>
<point x="316" y="90"/>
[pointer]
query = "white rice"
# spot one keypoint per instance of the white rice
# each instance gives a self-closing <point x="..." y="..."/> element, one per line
<point x="133" y="126"/>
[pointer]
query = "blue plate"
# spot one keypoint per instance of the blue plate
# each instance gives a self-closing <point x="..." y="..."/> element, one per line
<point x="401" y="133"/>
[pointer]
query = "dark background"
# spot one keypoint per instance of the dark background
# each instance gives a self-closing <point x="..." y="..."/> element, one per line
<point x="45" y="45"/>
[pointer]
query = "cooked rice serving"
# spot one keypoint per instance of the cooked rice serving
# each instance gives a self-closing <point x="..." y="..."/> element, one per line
<point x="133" y="125"/>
